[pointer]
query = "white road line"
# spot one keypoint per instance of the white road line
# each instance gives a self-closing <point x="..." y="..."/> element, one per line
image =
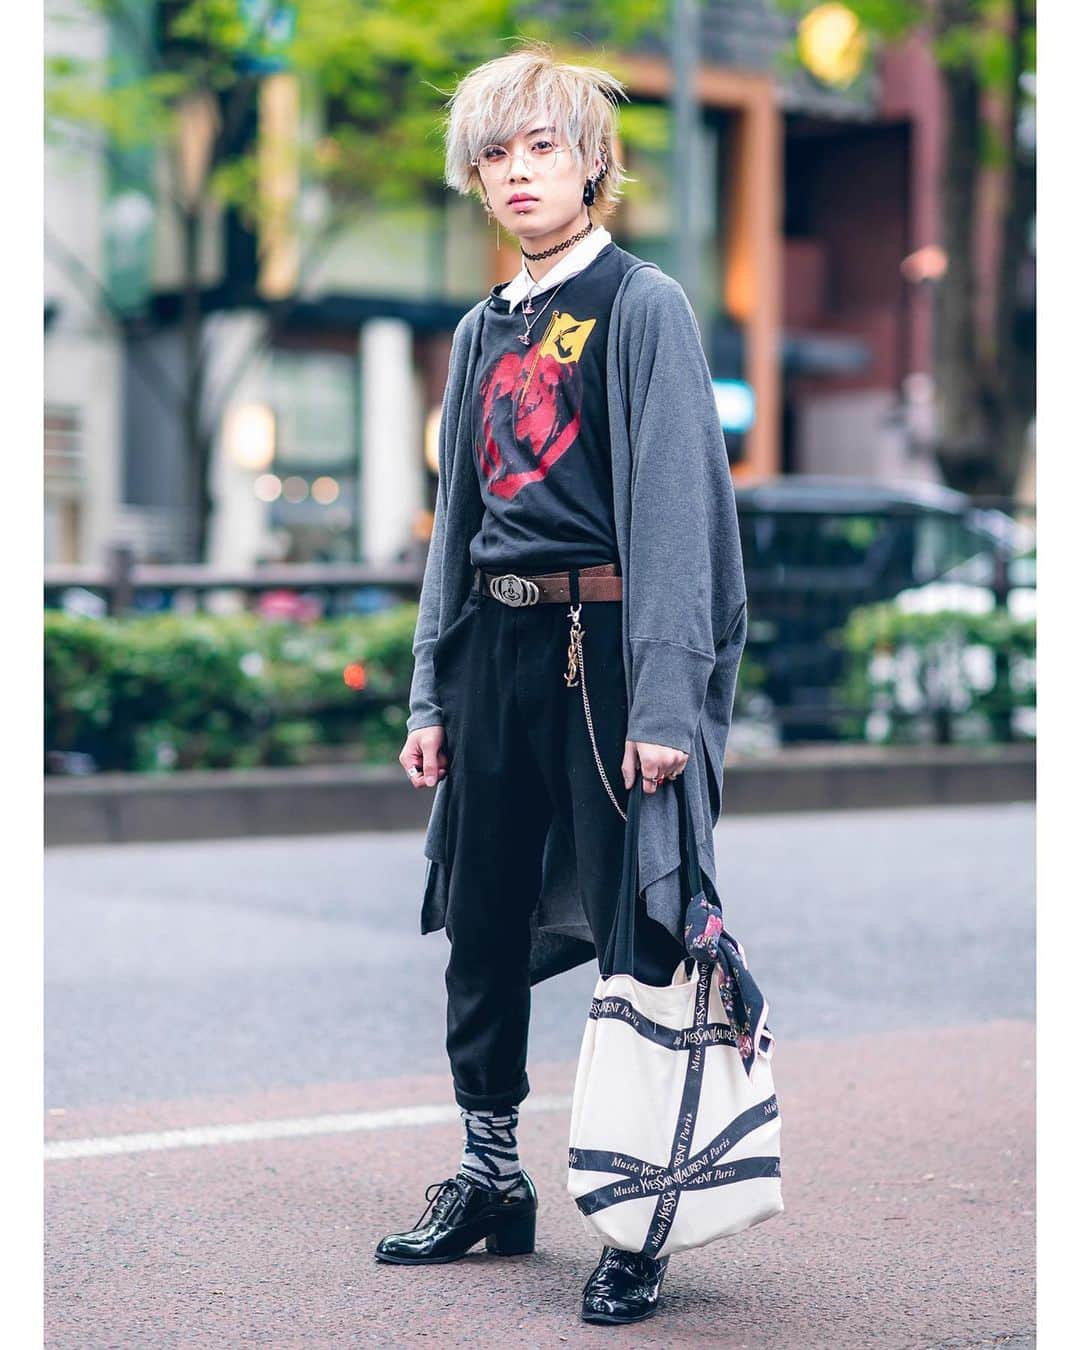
<point x="299" y="1127"/>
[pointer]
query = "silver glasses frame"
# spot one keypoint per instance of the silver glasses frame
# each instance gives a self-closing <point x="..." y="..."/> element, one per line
<point x="523" y="155"/>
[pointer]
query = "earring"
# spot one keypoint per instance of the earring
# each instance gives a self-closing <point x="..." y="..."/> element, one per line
<point x="589" y="195"/>
<point x="491" y="216"/>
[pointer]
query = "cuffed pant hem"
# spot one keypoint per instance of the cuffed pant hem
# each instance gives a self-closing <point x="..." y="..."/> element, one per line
<point x="479" y="1101"/>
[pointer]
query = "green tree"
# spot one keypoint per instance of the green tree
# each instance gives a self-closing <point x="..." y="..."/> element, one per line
<point x="179" y="97"/>
<point x="985" y="50"/>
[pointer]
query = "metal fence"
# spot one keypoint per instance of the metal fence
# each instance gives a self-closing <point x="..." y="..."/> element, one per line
<point x="124" y="587"/>
<point x="813" y="560"/>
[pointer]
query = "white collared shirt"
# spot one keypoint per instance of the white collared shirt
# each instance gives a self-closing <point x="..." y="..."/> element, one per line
<point x="579" y="257"/>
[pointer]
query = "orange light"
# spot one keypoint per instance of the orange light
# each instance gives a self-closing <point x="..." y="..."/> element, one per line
<point x="355" y="675"/>
<point x="832" y="45"/>
<point x="431" y="438"/>
<point x="925" y="264"/>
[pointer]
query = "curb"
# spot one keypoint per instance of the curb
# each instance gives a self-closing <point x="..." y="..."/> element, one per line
<point x="120" y="808"/>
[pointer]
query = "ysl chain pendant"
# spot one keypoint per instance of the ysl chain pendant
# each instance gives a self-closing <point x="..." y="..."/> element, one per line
<point x="576" y="634"/>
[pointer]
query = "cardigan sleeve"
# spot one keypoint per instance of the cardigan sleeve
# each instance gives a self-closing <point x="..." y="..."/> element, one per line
<point x="424" y="709"/>
<point x="687" y="589"/>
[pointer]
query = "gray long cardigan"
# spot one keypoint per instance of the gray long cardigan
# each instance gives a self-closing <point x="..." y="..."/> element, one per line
<point x="684" y="594"/>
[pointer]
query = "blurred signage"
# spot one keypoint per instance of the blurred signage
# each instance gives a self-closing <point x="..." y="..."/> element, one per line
<point x="735" y="404"/>
<point x="271" y="25"/>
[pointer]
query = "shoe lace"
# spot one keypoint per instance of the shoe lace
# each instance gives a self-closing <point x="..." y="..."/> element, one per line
<point x="440" y="1195"/>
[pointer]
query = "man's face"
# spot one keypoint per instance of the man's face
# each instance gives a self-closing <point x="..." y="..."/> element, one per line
<point x="543" y="173"/>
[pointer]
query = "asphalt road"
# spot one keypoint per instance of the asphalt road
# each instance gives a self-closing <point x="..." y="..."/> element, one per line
<point x="266" y="981"/>
<point x="177" y="969"/>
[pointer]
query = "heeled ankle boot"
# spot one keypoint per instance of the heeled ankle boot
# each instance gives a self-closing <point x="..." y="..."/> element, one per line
<point x="458" y="1216"/>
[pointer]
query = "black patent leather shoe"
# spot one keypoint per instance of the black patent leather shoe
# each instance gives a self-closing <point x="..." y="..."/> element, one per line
<point x="458" y="1216"/>
<point x="624" y="1287"/>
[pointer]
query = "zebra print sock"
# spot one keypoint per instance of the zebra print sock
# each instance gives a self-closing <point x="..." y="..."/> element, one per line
<point x="490" y="1157"/>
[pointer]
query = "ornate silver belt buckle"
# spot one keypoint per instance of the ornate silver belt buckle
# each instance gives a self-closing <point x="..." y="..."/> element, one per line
<point x="514" y="590"/>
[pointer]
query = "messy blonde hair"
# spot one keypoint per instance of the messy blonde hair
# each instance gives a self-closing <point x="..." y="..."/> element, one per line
<point x="494" y="101"/>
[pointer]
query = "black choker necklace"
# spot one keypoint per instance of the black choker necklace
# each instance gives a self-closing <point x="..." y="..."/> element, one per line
<point x="558" y="248"/>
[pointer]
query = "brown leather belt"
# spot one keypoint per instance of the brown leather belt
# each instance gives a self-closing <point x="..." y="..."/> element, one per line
<point x="599" y="582"/>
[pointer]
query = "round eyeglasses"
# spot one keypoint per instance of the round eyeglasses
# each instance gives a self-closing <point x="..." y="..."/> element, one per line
<point x="494" y="160"/>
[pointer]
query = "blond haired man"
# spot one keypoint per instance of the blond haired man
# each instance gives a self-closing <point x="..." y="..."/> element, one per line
<point x="582" y="619"/>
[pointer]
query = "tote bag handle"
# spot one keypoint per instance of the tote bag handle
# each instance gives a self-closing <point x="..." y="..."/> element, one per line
<point x="618" y="957"/>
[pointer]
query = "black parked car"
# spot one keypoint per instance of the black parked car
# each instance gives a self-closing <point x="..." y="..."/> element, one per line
<point x="815" y="547"/>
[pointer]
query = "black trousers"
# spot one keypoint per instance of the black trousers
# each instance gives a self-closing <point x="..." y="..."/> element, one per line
<point x="519" y="753"/>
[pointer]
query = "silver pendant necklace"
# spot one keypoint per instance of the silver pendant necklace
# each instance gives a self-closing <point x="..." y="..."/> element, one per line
<point x="558" y="248"/>
<point x="526" y="338"/>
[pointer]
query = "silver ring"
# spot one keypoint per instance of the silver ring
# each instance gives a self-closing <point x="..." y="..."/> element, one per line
<point x="414" y="770"/>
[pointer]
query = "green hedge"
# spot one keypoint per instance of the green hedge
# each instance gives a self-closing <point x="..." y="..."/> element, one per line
<point x="170" y="692"/>
<point x="947" y="676"/>
<point x="203" y="691"/>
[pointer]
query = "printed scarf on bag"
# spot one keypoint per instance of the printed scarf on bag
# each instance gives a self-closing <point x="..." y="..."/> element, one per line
<point x="707" y="939"/>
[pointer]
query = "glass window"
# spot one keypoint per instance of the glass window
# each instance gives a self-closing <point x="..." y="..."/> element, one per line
<point x="313" y="488"/>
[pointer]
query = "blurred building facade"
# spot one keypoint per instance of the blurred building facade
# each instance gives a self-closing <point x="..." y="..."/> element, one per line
<point x="328" y="371"/>
<point x="84" y="357"/>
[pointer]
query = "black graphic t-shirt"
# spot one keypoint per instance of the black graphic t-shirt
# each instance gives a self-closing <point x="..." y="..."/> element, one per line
<point x="540" y="427"/>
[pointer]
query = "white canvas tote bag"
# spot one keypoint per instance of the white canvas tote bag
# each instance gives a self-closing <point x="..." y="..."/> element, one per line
<point x="674" y="1126"/>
